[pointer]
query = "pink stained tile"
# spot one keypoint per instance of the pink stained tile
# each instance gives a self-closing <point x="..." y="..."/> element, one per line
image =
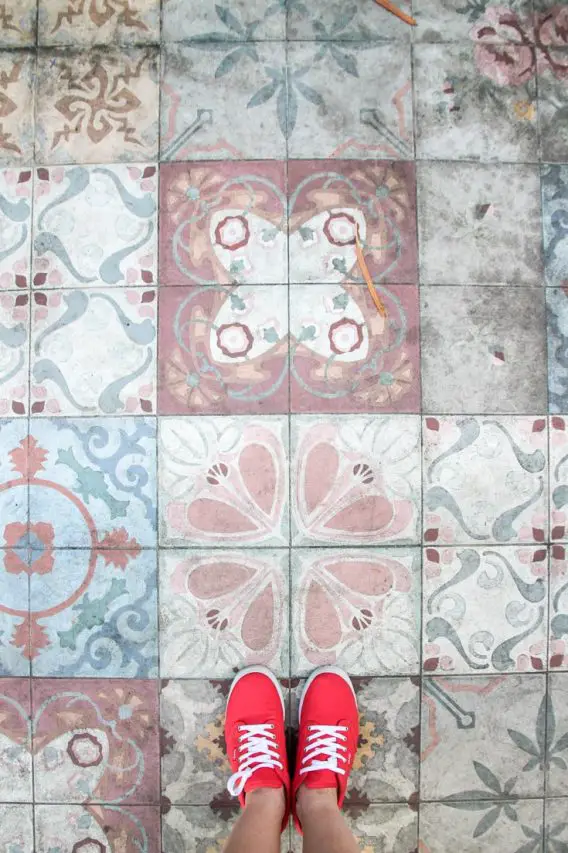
<point x="330" y="200"/>
<point x="223" y="350"/>
<point x="86" y="730"/>
<point x="345" y="357"/>
<point x="15" y="742"/>
<point x="223" y="223"/>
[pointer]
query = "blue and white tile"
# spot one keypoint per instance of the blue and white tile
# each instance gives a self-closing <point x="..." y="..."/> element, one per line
<point x="15" y="227"/>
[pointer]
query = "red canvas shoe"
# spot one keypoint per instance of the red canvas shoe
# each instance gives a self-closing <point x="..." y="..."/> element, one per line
<point x="328" y="734"/>
<point x="255" y="735"/>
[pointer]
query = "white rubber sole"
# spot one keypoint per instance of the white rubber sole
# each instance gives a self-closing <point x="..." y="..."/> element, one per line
<point x="335" y="670"/>
<point x="261" y="670"/>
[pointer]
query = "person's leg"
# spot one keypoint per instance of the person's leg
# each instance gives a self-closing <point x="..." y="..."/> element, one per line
<point x="324" y="827"/>
<point x="258" y="827"/>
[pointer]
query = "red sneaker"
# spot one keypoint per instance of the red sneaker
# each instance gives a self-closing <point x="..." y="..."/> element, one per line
<point x="255" y="735"/>
<point x="328" y="734"/>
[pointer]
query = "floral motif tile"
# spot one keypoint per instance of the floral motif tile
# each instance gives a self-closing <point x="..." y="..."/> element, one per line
<point x="389" y="828"/>
<point x="556" y="830"/>
<point x="557" y="329"/>
<point x="485" y="610"/>
<point x="554" y="184"/>
<point x="15" y="227"/>
<point x="558" y="609"/>
<point x="95" y="224"/>
<point x="355" y="480"/>
<point x="357" y="609"/>
<point x="118" y="328"/>
<point x="223" y="223"/>
<point x="97" y="107"/>
<point x="95" y="741"/>
<point x="201" y="829"/>
<point x="18" y="23"/>
<point x="14" y="603"/>
<point x="500" y="367"/>
<point x="557" y="736"/>
<point x="96" y="828"/>
<point x="17" y="70"/>
<point x="386" y="764"/>
<point x="496" y="725"/>
<point x="330" y="201"/>
<point x="15" y="743"/>
<point x="16" y="827"/>
<point x="92" y="483"/>
<point x="223" y="610"/>
<point x="235" y="22"/>
<point x="344" y="22"/>
<point x="223" y="103"/>
<point x="482" y="826"/>
<point x="14" y="352"/>
<point x="550" y="62"/>
<point x="452" y="20"/>
<point x="223" y="481"/>
<point x="485" y="480"/>
<point x="13" y="475"/>
<point x="92" y="613"/>
<point x="558" y="479"/>
<point x="80" y="24"/>
<point x="468" y="107"/>
<point x="479" y="223"/>
<point x="223" y="350"/>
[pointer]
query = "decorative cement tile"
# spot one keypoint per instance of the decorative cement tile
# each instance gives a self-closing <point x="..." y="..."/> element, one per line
<point x="223" y="610"/>
<point x="344" y="22"/>
<point x="495" y="725"/>
<point x="556" y="829"/>
<point x="96" y="828"/>
<point x="357" y="609"/>
<point x="485" y="610"/>
<point x="16" y="827"/>
<point x="223" y="481"/>
<point x="118" y="328"/>
<point x="378" y="828"/>
<point x="550" y="61"/>
<point x="14" y="352"/>
<point x="485" y="480"/>
<point x="452" y="20"/>
<point x="558" y="612"/>
<point x="557" y="328"/>
<point x="18" y="23"/>
<point x="558" y="479"/>
<point x="356" y="480"/>
<point x="95" y="224"/>
<point x="483" y="350"/>
<point x="554" y="186"/>
<point x="80" y="24"/>
<point x="15" y="745"/>
<point x="479" y="223"/>
<point x="15" y="227"/>
<point x="97" y="107"/>
<point x="557" y="736"/>
<point x="17" y="69"/>
<point x="14" y="474"/>
<point x="14" y="603"/>
<point x="201" y="829"/>
<point x="213" y="22"/>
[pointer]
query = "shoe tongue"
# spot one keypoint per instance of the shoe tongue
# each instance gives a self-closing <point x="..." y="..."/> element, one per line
<point x="320" y="779"/>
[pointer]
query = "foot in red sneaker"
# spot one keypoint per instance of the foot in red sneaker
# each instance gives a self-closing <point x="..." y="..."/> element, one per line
<point x="255" y="735"/>
<point x="328" y="734"/>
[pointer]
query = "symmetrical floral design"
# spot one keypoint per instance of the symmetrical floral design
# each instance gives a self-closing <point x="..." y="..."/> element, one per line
<point x="16" y="113"/>
<point x="76" y="22"/>
<point x="15" y="227"/>
<point x="14" y="353"/>
<point x="97" y="829"/>
<point x="558" y="478"/>
<point x="558" y="616"/>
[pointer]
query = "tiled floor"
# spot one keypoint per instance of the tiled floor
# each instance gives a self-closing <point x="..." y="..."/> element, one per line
<point x="215" y="451"/>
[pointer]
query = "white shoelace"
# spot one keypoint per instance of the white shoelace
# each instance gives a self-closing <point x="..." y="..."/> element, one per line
<point x="257" y="749"/>
<point x="324" y="740"/>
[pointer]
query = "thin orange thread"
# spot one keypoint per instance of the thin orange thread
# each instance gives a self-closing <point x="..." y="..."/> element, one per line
<point x="367" y="276"/>
<point x="394" y="10"/>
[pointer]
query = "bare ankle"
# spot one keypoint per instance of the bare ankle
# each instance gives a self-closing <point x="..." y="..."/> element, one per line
<point x="271" y="799"/>
<point x="315" y="799"/>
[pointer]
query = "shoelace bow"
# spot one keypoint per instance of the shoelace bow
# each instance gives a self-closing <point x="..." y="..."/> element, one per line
<point x="257" y="749"/>
<point x="328" y="741"/>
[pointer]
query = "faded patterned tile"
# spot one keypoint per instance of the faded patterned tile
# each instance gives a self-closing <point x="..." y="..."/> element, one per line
<point x="389" y="828"/>
<point x="201" y="829"/>
<point x="211" y="21"/>
<point x="500" y="367"/>
<point x="554" y="185"/>
<point x="485" y="610"/>
<point x="116" y="328"/>
<point x="17" y="69"/>
<point x="15" y="227"/>
<point x="556" y="827"/>
<point x="455" y="20"/>
<point x="550" y="61"/>
<point x="330" y="201"/>
<point x="557" y="735"/>
<point x="355" y="480"/>
<point x="495" y="724"/>
<point x="335" y="108"/>
<point x="485" y="480"/>
<point x="349" y="22"/>
<point x="223" y="610"/>
<point x="95" y="740"/>
<point x="94" y="828"/>
<point x="97" y="107"/>
<point x="95" y="225"/>
<point x="15" y="744"/>
<point x="557" y="328"/>
<point x="223" y="481"/>
<point x="479" y="223"/>
<point x="80" y="24"/>
<point x="223" y="350"/>
<point x="558" y="479"/>
<point x="513" y="826"/>
<point x="94" y="613"/>
<point x="14" y="472"/>
<point x="14" y="603"/>
<point x="357" y="609"/>
<point x="462" y="114"/>
<point x="558" y="615"/>
<point x="18" y="23"/>
<point x="223" y="104"/>
<point x="14" y="352"/>
<point x="16" y="828"/>
<point x="94" y="481"/>
<point x="223" y="223"/>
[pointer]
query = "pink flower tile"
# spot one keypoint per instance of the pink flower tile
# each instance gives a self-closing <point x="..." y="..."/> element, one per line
<point x="558" y="425"/>
<point x="358" y="609"/>
<point x="355" y="480"/>
<point x="15" y="741"/>
<point x="223" y="481"/>
<point x="558" y="633"/>
<point x="223" y="350"/>
<point x="15" y="222"/>
<point x="97" y="829"/>
<point x="223" y="223"/>
<point x="14" y="353"/>
<point x="346" y="357"/>
<point x="95" y="740"/>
